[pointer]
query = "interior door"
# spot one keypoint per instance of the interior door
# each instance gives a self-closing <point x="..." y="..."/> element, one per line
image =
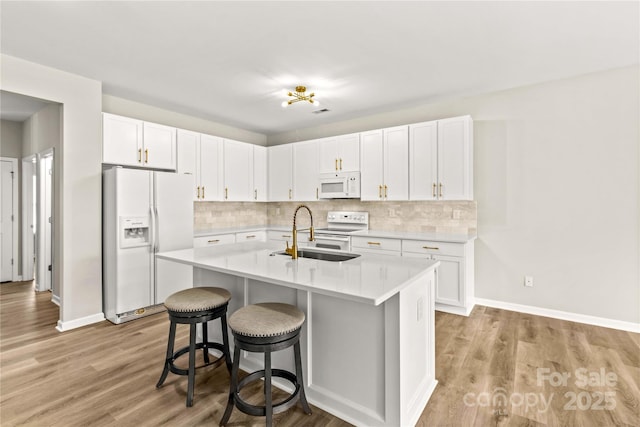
<point x="48" y="223"/>
<point x="6" y="212"/>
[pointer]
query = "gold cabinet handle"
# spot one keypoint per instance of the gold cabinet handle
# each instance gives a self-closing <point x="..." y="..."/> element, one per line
<point x="433" y="190"/>
<point x="213" y="241"/>
<point x="286" y="235"/>
<point x="441" y="190"/>
<point x="146" y="155"/>
<point x="380" y="191"/>
<point x="198" y="193"/>
<point x="385" y="191"/>
<point x="139" y="155"/>
<point x="432" y="248"/>
<point x="373" y="243"/>
<point x="340" y="164"/>
<point x="290" y="194"/>
<point x="226" y="193"/>
<point x="336" y="164"/>
<point x="250" y="236"/>
<point x="203" y="191"/>
<point x="317" y="196"/>
<point x="255" y="194"/>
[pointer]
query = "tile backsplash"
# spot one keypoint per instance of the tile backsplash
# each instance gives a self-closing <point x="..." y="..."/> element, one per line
<point x="456" y="217"/>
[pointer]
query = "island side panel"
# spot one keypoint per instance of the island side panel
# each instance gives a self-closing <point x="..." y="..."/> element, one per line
<point x="417" y="347"/>
<point x="346" y="351"/>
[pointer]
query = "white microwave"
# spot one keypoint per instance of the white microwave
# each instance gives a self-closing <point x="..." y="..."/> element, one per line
<point x="339" y="185"/>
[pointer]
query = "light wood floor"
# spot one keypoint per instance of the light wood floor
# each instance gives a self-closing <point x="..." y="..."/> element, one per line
<point x="104" y="374"/>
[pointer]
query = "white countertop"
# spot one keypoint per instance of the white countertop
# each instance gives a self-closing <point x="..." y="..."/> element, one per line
<point x="368" y="279"/>
<point x="408" y="235"/>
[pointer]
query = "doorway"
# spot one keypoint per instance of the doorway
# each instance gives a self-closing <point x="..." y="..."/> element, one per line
<point x="8" y="220"/>
<point x="44" y="225"/>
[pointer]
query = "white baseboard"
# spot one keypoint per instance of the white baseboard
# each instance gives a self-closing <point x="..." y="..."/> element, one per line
<point x="55" y="299"/>
<point x="77" y="323"/>
<point x="562" y="315"/>
<point x="460" y="311"/>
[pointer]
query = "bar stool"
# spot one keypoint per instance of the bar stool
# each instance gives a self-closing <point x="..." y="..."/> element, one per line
<point x="264" y="328"/>
<point x="192" y="306"/>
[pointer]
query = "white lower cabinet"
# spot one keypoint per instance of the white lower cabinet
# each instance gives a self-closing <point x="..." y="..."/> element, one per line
<point x="251" y="236"/>
<point x="376" y="245"/>
<point x="454" y="288"/>
<point x="214" y="240"/>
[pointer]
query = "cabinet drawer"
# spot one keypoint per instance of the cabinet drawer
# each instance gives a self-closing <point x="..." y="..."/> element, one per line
<point x="218" y="239"/>
<point x="376" y="243"/>
<point x="431" y="247"/>
<point x="279" y="235"/>
<point x="251" y="236"/>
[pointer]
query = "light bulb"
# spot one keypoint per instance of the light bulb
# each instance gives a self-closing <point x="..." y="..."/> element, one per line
<point x="285" y="104"/>
<point x="316" y="103"/>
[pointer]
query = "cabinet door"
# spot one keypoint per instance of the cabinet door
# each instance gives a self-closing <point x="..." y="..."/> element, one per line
<point x="121" y="140"/>
<point x="188" y="145"/>
<point x="159" y="146"/>
<point x="371" y="165"/>
<point x="423" y="161"/>
<point x="259" y="173"/>
<point x="238" y="171"/>
<point x="349" y="152"/>
<point x="450" y="275"/>
<point x="280" y="170"/>
<point x="396" y="163"/>
<point x="211" y="168"/>
<point x="455" y="159"/>
<point x="328" y="154"/>
<point x="305" y="171"/>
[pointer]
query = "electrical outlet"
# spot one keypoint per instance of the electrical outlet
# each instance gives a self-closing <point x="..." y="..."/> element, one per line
<point x="528" y="281"/>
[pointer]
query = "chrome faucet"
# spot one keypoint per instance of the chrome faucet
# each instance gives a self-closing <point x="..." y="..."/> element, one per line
<point x="293" y="250"/>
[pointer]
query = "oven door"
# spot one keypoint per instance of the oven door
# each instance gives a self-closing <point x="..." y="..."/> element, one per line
<point x="332" y="241"/>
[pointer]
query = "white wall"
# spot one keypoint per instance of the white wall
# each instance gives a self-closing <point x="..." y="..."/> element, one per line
<point x="557" y="186"/>
<point x="124" y="107"/>
<point x="77" y="217"/>
<point x="43" y="130"/>
<point x="10" y="139"/>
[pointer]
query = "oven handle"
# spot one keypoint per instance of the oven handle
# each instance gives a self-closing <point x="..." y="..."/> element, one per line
<point x="333" y="238"/>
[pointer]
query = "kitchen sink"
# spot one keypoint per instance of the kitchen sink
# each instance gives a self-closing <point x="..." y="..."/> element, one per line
<point x="322" y="256"/>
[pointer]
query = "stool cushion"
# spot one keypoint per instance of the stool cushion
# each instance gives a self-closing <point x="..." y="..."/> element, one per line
<point x="197" y="299"/>
<point x="266" y="319"/>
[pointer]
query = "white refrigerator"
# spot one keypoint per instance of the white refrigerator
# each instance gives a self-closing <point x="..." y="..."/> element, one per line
<point x="144" y="212"/>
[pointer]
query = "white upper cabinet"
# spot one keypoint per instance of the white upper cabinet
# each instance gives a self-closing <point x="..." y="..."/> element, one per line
<point x="442" y="159"/>
<point x="305" y="171"/>
<point x="201" y="156"/>
<point x="211" y="168"/>
<point x="238" y="171"/>
<point x="131" y="142"/>
<point x="340" y="153"/>
<point x="423" y="161"/>
<point x="384" y="162"/>
<point x="280" y="170"/>
<point x="259" y="173"/>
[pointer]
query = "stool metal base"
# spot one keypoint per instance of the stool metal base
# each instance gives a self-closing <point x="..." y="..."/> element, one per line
<point x="266" y="345"/>
<point x="193" y="318"/>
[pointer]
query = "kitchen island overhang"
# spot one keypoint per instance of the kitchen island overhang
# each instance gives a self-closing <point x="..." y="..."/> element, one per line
<point x="368" y="342"/>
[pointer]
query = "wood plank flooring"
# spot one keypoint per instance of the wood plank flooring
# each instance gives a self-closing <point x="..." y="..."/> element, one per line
<point x="105" y="375"/>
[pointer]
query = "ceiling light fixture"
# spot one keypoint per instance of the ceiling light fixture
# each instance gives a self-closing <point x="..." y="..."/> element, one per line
<point x="300" y="95"/>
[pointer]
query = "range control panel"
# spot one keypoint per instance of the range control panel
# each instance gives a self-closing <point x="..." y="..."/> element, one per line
<point x="340" y="217"/>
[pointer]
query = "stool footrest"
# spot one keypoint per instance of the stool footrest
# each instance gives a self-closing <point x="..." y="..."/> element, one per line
<point x="199" y="346"/>
<point x="279" y="407"/>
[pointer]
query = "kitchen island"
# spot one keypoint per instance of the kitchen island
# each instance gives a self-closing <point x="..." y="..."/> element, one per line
<point x="368" y="339"/>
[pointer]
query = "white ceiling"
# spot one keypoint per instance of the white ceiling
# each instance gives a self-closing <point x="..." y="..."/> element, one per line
<point x="18" y="108"/>
<point x="229" y="61"/>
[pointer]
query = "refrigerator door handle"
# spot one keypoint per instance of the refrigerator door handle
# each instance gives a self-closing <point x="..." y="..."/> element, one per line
<point x="152" y="232"/>
<point x="156" y="238"/>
